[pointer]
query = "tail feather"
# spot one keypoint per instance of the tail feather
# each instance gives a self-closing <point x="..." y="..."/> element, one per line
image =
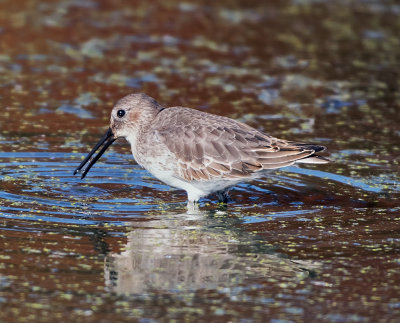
<point x="316" y="148"/>
<point x="314" y="159"/>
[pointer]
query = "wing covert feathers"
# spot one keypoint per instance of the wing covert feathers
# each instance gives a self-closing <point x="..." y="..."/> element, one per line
<point x="208" y="146"/>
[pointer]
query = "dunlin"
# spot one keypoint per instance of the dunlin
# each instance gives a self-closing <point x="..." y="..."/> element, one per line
<point x="198" y="152"/>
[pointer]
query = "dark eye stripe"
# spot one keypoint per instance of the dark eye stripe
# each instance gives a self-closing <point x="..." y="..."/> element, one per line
<point x="121" y="113"/>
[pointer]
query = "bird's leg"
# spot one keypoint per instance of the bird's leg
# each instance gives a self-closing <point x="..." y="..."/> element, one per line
<point x="193" y="199"/>
<point x="223" y="196"/>
<point x="192" y="206"/>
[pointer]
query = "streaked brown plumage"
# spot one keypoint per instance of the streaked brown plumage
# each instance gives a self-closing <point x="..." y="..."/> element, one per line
<point x="199" y="152"/>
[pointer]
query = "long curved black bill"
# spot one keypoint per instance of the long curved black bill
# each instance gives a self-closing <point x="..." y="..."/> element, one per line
<point x="107" y="140"/>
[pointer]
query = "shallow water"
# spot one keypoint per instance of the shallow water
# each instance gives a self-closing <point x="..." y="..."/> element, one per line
<point x="316" y="243"/>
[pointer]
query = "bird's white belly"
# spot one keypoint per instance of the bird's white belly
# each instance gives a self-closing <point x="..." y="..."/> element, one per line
<point x="162" y="168"/>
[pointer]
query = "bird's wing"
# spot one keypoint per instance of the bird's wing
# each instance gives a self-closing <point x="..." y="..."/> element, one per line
<point x="225" y="148"/>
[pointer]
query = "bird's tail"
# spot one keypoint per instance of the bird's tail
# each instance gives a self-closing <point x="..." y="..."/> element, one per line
<point x="312" y="159"/>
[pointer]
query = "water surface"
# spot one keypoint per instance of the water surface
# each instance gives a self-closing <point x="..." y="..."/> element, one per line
<point x="318" y="243"/>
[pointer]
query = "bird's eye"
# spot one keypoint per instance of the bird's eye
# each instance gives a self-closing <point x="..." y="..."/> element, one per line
<point x="121" y="113"/>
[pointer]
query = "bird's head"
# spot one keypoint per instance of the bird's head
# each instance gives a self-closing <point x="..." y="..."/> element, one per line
<point x="131" y="115"/>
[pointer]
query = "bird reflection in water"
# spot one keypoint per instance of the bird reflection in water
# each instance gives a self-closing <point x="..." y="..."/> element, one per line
<point x="194" y="251"/>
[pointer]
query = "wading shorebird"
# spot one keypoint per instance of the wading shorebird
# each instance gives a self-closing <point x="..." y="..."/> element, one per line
<point x="198" y="152"/>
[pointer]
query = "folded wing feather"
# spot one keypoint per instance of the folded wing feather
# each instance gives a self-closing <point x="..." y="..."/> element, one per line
<point x="225" y="148"/>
